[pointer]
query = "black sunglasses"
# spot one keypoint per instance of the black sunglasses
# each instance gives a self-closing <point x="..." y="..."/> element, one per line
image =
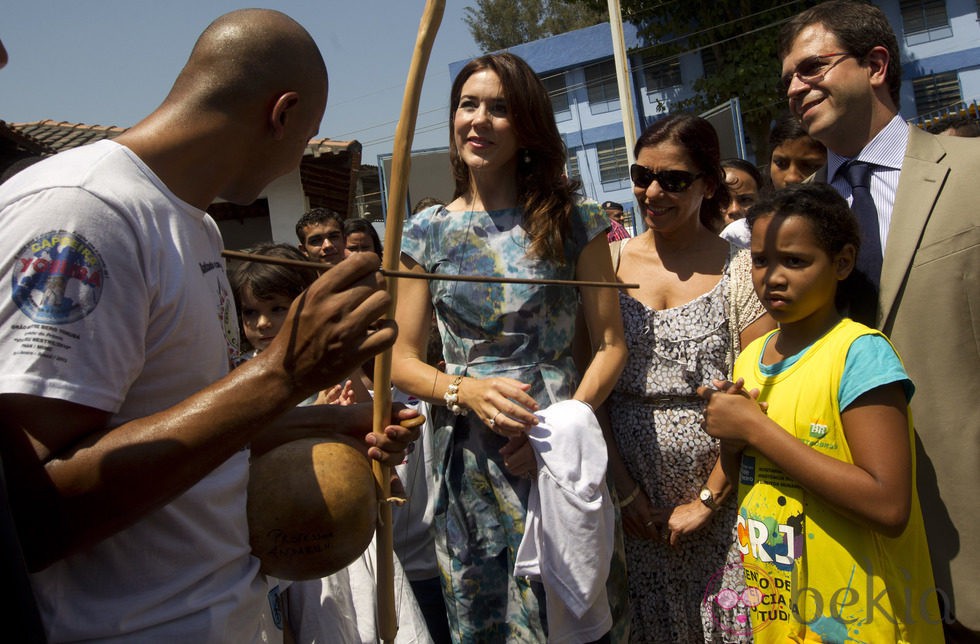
<point x="669" y="180"/>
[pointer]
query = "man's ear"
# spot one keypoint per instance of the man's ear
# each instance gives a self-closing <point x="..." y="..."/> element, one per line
<point x="281" y="112"/>
<point x="878" y="60"/>
<point x="844" y="261"/>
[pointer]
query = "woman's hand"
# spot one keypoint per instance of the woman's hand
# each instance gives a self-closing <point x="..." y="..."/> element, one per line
<point x="686" y="519"/>
<point x="519" y="458"/>
<point x="501" y="403"/>
<point x="643" y="520"/>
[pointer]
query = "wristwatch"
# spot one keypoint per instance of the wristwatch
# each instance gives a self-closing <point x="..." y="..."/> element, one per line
<point x="708" y="498"/>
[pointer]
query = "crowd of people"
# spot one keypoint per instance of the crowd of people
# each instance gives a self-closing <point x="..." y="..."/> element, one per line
<point x="734" y="426"/>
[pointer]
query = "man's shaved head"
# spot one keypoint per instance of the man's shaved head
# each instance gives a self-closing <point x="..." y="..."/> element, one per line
<point x="241" y="112"/>
<point x="250" y="54"/>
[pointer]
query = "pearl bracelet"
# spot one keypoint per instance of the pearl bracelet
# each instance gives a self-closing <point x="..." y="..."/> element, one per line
<point x="452" y="398"/>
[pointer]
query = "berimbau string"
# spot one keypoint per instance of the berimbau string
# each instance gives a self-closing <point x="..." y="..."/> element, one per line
<point x="320" y="266"/>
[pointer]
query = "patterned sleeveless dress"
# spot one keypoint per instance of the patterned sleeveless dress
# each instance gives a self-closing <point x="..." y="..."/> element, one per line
<point x="656" y="417"/>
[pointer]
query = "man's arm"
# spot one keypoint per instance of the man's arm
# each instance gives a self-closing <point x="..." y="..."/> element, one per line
<point x="74" y="480"/>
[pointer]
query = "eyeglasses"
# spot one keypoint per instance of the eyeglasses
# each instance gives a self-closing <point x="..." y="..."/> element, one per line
<point x="669" y="180"/>
<point x="812" y="70"/>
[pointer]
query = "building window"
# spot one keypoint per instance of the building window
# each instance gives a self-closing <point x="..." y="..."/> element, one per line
<point x="558" y="92"/>
<point x="614" y="171"/>
<point x="936" y="92"/>
<point x="660" y="75"/>
<point x="925" y="21"/>
<point x="600" y="79"/>
<point x="571" y="168"/>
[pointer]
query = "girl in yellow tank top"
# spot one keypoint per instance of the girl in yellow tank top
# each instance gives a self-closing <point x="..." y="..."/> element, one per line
<point x="817" y="432"/>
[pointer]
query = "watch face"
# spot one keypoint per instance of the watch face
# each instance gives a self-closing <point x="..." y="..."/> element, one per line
<point x="708" y="498"/>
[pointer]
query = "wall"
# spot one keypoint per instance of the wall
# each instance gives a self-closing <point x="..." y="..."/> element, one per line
<point x="286" y="205"/>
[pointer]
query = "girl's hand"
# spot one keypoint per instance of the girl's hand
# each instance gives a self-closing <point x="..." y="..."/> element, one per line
<point x="342" y="394"/>
<point x="730" y="411"/>
<point x="501" y="403"/>
<point x="329" y="396"/>
<point x="686" y="519"/>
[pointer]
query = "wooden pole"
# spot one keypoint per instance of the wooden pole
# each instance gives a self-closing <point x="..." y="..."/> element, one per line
<point x="625" y="85"/>
<point x="398" y="193"/>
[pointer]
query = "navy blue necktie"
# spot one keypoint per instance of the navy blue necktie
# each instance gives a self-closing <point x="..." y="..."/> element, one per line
<point x="858" y="174"/>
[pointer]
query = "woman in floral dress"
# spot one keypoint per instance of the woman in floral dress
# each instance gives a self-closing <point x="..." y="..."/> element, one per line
<point x="693" y="310"/>
<point x="508" y="347"/>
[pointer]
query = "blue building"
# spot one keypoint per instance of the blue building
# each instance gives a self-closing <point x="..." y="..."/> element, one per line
<point x="939" y="40"/>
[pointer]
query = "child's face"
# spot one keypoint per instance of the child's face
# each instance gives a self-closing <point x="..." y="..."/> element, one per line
<point x="794" y="160"/>
<point x="360" y="243"/>
<point x="743" y="191"/>
<point x="794" y="277"/>
<point x="262" y="319"/>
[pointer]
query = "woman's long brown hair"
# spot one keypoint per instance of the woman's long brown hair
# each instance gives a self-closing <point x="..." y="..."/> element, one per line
<point x="545" y="193"/>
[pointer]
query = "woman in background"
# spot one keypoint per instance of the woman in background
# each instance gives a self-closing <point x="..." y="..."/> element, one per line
<point x="694" y="309"/>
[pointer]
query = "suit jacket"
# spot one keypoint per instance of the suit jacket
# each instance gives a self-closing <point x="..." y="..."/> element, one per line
<point x="929" y="305"/>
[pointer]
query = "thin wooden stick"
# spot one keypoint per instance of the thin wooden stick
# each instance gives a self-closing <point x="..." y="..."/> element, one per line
<point x="401" y="159"/>
<point x="320" y="266"/>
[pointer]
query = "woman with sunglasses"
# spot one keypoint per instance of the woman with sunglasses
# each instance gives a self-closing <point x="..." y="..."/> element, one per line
<point x="694" y="309"/>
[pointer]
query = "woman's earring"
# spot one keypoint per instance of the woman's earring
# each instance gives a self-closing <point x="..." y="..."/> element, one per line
<point x="527" y="157"/>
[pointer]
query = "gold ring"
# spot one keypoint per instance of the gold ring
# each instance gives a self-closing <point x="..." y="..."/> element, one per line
<point x="493" y="421"/>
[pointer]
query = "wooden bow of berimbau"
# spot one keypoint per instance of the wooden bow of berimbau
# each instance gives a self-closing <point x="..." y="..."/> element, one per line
<point x="397" y="196"/>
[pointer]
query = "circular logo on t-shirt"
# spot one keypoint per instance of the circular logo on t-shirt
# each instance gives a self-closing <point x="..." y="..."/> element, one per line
<point x="57" y="278"/>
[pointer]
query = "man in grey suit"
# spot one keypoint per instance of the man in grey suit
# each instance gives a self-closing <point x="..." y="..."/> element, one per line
<point x="841" y="73"/>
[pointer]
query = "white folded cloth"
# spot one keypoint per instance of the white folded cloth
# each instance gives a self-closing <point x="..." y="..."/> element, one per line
<point x="568" y="532"/>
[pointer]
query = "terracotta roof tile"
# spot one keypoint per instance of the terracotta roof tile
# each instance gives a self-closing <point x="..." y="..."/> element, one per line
<point x="62" y="135"/>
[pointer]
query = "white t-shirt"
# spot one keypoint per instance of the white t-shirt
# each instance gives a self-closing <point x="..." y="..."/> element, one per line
<point x="737" y="233"/>
<point x="114" y="295"/>
<point x="412" y="523"/>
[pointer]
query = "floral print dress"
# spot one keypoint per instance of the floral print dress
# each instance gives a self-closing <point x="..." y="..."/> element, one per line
<point x="513" y="330"/>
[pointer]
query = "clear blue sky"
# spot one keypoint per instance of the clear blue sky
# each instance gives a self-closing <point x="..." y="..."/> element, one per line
<point x="111" y="62"/>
